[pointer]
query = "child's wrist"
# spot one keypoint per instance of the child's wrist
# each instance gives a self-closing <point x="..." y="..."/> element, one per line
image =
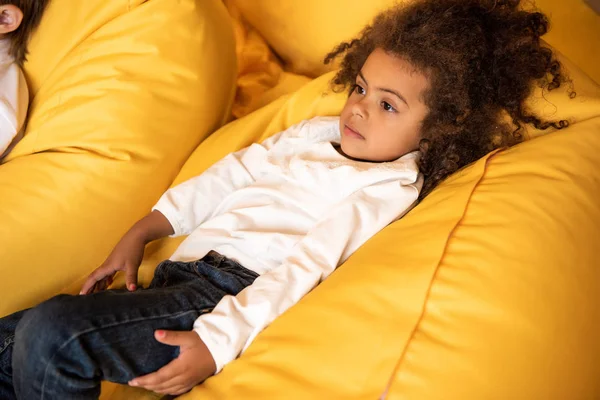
<point x="139" y="234"/>
<point x="152" y="227"/>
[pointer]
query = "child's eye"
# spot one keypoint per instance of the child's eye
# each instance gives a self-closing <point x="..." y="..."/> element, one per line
<point x="359" y="89"/>
<point x="387" y="106"/>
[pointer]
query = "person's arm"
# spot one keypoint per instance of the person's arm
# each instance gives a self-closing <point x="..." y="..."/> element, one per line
<point x="128" y="253"/>
<point x="152" y="227"/>
<point x="181" y="209"/>
<point x="234" y="323"/>
<point x="14" y="101"/>
<point x="194" y="201"/>
<point x="178" y="212"/>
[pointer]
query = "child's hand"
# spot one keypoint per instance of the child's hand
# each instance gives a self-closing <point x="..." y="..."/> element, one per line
<point x="194" y="365"/>
<point x="126" y="256"/>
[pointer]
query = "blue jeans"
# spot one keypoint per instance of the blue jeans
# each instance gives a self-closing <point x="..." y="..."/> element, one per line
<point x="64" y="347"/>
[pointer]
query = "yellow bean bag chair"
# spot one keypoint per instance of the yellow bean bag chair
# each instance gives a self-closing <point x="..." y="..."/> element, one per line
<point x="122" y="92"/>
<point x="487" y="290"/>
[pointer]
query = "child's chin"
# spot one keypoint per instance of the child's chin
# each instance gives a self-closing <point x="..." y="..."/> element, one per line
<point x="351" y="151"/>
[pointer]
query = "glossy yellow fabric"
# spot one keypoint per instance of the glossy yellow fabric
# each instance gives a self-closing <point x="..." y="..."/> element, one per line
<point x="258" y="68"/>
<point x="488" y="289"/>
<point x="556" y="105"/>
<point x="513" y="309"/>
<point x="574" y="29"/>
<point x="302" y="32"/>
<point x="261" y="78"/>
<point x="123" y="92"/>
<point x="493" y="274"/>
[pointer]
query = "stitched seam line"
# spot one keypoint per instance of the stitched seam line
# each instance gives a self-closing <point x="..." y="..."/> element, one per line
<point x="99" y="329"/>
<point x="7" y="342"/>
<point x="433" y="279"/>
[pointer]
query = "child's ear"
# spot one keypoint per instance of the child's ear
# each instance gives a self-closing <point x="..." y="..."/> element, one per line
<point x="10" y="18"/>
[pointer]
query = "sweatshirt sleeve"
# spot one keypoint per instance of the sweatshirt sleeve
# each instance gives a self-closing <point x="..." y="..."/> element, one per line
<point x="194" y="201"/>
<point x="236" y="320"/>
<point x="14" y="101"/>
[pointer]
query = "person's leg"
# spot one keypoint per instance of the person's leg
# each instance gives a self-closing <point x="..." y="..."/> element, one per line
<point x="67" y="345"/>
<point x="8" y="325"/>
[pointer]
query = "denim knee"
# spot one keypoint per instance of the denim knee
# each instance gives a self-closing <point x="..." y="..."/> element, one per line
<point x="49" y="357"/>
<point x="40" y="332"/>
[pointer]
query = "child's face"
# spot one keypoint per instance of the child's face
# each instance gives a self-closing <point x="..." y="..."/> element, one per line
<point x="382" y="118"/>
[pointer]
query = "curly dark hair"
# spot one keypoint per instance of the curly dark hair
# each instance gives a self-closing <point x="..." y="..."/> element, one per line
<point x="482" y="58"/>
<point x="32" y="15"/>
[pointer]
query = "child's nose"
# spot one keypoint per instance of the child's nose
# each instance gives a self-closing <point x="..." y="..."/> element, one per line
<point x="359" y="109"/>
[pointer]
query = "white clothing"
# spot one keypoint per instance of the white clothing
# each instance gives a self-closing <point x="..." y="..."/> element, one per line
<point x="14" y="98"/>
<point x="291" y="209"/>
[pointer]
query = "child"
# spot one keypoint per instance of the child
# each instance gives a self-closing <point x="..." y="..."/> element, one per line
<point x="18" y="19"/>
<point x="428" y="84"/>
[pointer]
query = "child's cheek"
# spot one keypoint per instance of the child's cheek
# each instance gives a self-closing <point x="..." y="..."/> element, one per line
<point x="344" y="116"/>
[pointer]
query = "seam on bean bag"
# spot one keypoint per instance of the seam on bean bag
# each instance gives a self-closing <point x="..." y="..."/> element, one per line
<point x="433" y="279"/>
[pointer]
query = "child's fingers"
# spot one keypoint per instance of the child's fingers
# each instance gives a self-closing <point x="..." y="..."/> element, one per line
<point x="102" y="284"/>
<point x="177" y="338"/>
<point x="171" y="371"/>
<point x="131" y="278"/>
<point x="87" y="285"/>
<point x="174" y="390"/>
<point x="92" y="279"/>
<point x="191" y="367"/>
<point x="169" y="386"/>
<point x="180" y="390"/>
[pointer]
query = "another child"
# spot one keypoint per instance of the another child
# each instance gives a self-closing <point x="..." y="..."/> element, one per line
<point x="428" y="86"/>
<point x="18" y="19"/>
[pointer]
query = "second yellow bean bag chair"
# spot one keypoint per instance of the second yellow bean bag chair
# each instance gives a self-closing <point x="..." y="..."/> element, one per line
<point x="122" y="92"/>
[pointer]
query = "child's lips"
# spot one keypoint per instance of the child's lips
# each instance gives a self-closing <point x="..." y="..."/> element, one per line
<point x="350" y="132"/>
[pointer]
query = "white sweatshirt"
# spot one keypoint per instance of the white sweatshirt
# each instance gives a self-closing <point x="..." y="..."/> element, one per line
<point x="291" y="209"/>
<point x="14" y="98"/>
